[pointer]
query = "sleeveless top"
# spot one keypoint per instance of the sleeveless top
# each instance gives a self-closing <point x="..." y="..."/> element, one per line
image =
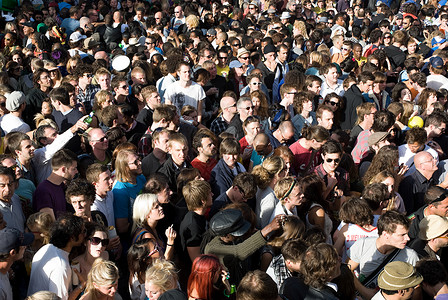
<point x="328" y="224"/>
<point x="355" y="232"/>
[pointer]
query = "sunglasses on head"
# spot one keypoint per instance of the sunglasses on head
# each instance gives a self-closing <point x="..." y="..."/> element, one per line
<point x="96" y="241"/>
<point x="336" y="160"/>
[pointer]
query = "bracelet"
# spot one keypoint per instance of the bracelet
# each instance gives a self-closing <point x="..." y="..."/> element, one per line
<point x="169" y="244"/>
<point x="228" y="296"/>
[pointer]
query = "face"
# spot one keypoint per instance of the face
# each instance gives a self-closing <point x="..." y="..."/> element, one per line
<point x="45" y="80"/>
<point x="104" y="82"/>
<point x="46" y="109"/>
<point x="366" y="86"/>
<point x="405" y="95"/>
<point x="7" y="188"/>
<point x="212" y="70"/>
<point x="11" y="163"/>
<point x="184" y="73"/>
<point x="270" y="56"/>
<point x="431" y="100"/>
<point x="247" y="109"/>
<point x="156" y="212"/>
<point x="50" y="135"/>
<point x="153" y="292"/>
<point x="327" y="119"/>
<point x="104" y="183"/>
<point x="252" y="129"/>
<point x="283" y="55"/>
<point x="71" y="171"/>
<point x="81" y="205"/>
<point x="399" y="238"/>
<point x="178" y="152"/>
<point x="96" y="250"/>
<point x="442" y="208"/>
<point x="331" y="161"/>
<point x="315" y="87"/>
<point x="390" y="183"/>
<point x="332" y="75"/>
<point x="414" y="147"/>
<point x="139" y="78"/>
<point x="208" y="147"/>
<point x="135" y="164"/>
<point x="256" y="102"/>
<point x="307" y="105"/>
<point x="107" y="290"/>
<point x="296" y="197"/>
<point x="412" y="47"/>
<point x="230" y="159"/>
<point x="98" y="139"/>
<point x="162" y="142"/>
<point x="123" y="89"/>
<point x="164" y="195"/>
<point x="255" y="84"/>
<point x="439" y="130"/>
<point x="26" y="151"/>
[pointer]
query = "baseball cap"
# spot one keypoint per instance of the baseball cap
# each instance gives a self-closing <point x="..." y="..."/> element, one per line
<point x="437" y="40"/>
<point x="12" y="238"/>
<point x="76" y="37"/>
<point x="14" y="100"/>
<point x="229" y="221"/>
<point x="398" y="275"/>
<point x="436" y="62"/>
<point x="377" y="137"/>
<point x="432" y="226"/>
<point x="235" y="64"/>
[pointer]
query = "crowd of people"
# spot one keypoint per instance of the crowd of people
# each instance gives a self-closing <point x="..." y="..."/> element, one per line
<point x="223" y="149"/>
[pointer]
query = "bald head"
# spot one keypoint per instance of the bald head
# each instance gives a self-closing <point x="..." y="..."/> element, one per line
<point x="102" y="55"/>
<point x="425" y="163"/>
<point x="226" y="102"/>
<point x="421" y="157"/>
<point x="287" y="129"/>
<point x="261" y="139"/>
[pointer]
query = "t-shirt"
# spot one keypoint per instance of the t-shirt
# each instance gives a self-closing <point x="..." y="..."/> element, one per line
<point x="124" y="197"/>
<point x="365" y="253"/>
<point x="5" y="287"/>
<point x="192" y="229"/>
<point x="302" y="158"/>
<point x="204" y="168"/>
<point x="50" y="195"/>
<point x="180" y="96"/>
<point x="10" y="123"/>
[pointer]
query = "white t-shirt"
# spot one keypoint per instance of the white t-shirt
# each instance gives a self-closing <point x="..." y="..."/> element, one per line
<point x="51" y="271"/>
<point x="106" y="206"/>
<point x="436" y="82"/>
<point x="265" y="205"/>
<point x="180" y="96"/>
<point x="10" y="123"/>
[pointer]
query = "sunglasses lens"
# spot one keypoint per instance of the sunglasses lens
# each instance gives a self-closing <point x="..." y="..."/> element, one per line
<point x="95" y="241"/>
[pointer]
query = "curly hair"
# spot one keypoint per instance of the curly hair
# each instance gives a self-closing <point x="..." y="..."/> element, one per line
<point x="356" y="211"/>
<point x="385" y="159"/>
<point x="319" y="264"/>
<point x="80" y="187"/>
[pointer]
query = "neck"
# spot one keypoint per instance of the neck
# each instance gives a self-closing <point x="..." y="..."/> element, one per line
<point x="305" y="113"/>
<point x="364" y="125"/>
<point x="89" y="258"/>
<point x="5" y="266"/>
<point x="202" y="157"/>
<point x="25" y="162"/>
<point x="440" y="288"/>
<point x="200" y="211"/>
<point x="44" y="89"/>
<point x="305" y="143"/>
<point x="289" y="206"/>
<point x="55" y="178"/>
<point x="433" y="246"/>
<point x="332" y="84"/>
<point x="17" y="114"/>
<point x="64" y="108"/>
<point x="179" y="164"/>
<point x="100" y="154"/>
<point x="227" y="116"/>
<point x="101" y="194"/>
<point x="382" y="247"/>
<point x="133" y="179"/>
<point x="184" y="83"/>
<point x="83" y="85"/>
<point x="426" y="174"/>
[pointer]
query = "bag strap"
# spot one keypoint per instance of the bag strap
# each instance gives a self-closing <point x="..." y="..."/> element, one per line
<point x="375" y="273"/>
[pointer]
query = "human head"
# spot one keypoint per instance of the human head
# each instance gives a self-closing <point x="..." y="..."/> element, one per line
<point x="127" y="166"/>
<point x="197" y="194"/>
<point x="146" y="206"/>
<point x="425" y="163"/>
<point x="100" y="176"/>
<point x="324" y="116"/>
<point x="157" y="184"/>
<point x="316" y="134"/>
<point x="81" y="195"/>
<point x="257" y="285"/>
<point x="40" y="224"/>
<point x="331" y="153"/>
<point x="229" y="151"/>
<point x="103" y="278"/>
<point x="356" y="211"/>
<point x="400" y="278"/>
<point x="98" y="139"/>
<point x="320" y="264"/>
<point x="245" y="108"/>
<point x="67" y="228"/>
<point x="415" y="138"/>
<point x="7" y="184"/>
<point x="20" y="146"/>
<point x="244" y="187"/>
<point x="178" y="148"/>
<point x="437" y="201"/>
<point x="65" y="162"/>
<point x="393" y="227"/>
<point x="159" y="278"/>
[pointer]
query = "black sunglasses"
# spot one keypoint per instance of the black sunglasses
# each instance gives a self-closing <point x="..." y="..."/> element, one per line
<point x="96" y="241"/>
<point x="336" y="160"/>
<point x="332" y="103"/>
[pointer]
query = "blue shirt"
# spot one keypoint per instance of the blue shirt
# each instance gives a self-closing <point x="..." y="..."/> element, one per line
<point x="124" y="197"/>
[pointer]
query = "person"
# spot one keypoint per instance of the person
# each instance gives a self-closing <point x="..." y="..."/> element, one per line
<point x="325" y="117"/>
<point x="245" y="109"/>
<point x="303" y="104"/>
<point x="398" y="280"/>
<point x="13" y="247"/>
<point x="152" y="100"/>
<point x="288" y="192"/>
<point x="369" y="253"/>
<point x="130" y="182"/>
<point x="10" y="204"/>
<point x="206" y="148"/>
<point x="228" y="107"/>
<point x="50" y="270"/>
<point x="251" y="127"/>
<point x="331" y="84"/>
<point x="365" y="113"/>
<point x="257" y="285"/>
<point x="432" y="237"/>
<point x="154" y="160"/>
<point x="102" y="282"/>
<point x="100" y="176"/>
<point x="147" y="211"/>
<point x="98" y="141"/>
<point x="230" y="243"/>
<point x="434" y="278"/>
<point x="96" y="240"/>
<point x="49" y="195"/>
<point x="159" y="278"/>
<point x="15" y="104"/>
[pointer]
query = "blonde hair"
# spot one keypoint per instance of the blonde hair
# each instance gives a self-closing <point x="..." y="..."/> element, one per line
<point x="100" y="98"/>
<point x="284" y="187"/>
<point x="40" y="120"/>
<point x="265" y="172"/>
<point x="192" y="22"/>
<point x="43" y="295"/>
<point x="103" y="273"/>
<point x="293" y="228"/>
<point x="41" y="221"/>
<point x="301" y="26"/>
<point x="162" y="274"/>
<point x="143" y="205"/>
<point x="122" y="171"/>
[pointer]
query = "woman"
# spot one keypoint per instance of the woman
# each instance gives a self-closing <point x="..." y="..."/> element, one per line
<point x="102" y="281"/>
<point x="208" y="279"/>
<point x="385" y="159"/>
<point x="303" y="105"/>
<point x="336" y="103"/>
<point x="147" y="213"/>
<point x="129" y="183"/>
<point x="285" y="153"/>
<point x="388" y="178"/>
<point x="387" y="39"/>
<point x="266" y="177"/>
<point x="96" y="242"/>
<point x="253" y="84"/>
<point x="160" y="277"/>
<point x="55" y="74"/>
<point x="260" y="102"/>
<point x="318" y="213"/>
<point x="289" y="195"/>
<point x="316" y="61"/>
<point x="236" y="79"/>
<point x="401" y="93"/>
<point x="72" y="63"/>
<point x="427" y="97"/>
<point x="358" y="219"/>
<point x="102" y="99"/>
<point x="14" y="72"/>
<point x="251" y="127"/>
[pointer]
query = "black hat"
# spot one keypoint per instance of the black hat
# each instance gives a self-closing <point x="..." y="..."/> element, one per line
<point x="229" y="221"/>
<point x="269" y="48"/>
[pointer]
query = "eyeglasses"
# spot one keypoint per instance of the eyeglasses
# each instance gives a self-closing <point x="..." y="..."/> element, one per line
<point x="136" y="162"/>
<point x="248" y="108"/>
<point x="346" y="49"/>
<point x="256" y="83"/>
<point x="292" y="93"/>
<point x="252" y="8"/>
<point x="177" y="12"/>
<point x="387" y="37"/>
<point x="103" y="139"/>
<point x="96" y="241"/>
<point x="209" y="56"/>
<point x="440" y="198"/>
<point x="236" y="45"/>
<point x="244" y="58"/>
<point x="222" y="57"/>
<point x="276" y="28"/>
<point x="332" y="103"/>
<point x="234" y="105"/>
<point x="336" y="160"/>
<point x="124" y="87"/>
<point x="13" y="168"/>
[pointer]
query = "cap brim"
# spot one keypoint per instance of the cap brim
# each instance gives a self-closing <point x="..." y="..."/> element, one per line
<point x="242" y="230"/>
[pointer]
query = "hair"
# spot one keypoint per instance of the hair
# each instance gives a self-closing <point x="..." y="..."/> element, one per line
<point x="114" y="137"/>
<point x="424" y="96"/>
<point x="383" y="121"/>
<point x="162" y="274"/>
<point x="267" y="170"/>
<point x="389" y="220"/>
<point x="13" y="140"/>
<point x="63" y="158"/>
<point x="356" y="211"/>
<point x="100" y="98"/>
<point x="109" y="114"/>
<point x="43" y="295"/>
<point x="432" y="270"/>
<point x="436" y="119"/>
<point x="103" y="273"/>
<point x="138" y="256"/>
<point x="374" y="194"/>
<point x="284" y="187"/>
<point x="416" y="135"/>
<point x="385" y="159"/>
<point x="396" y="108"/>
<point x="229" y="146"/>
<point x="80" y="187"/>
<point x="312" y="187"/>
<point x="293" y="228"/>
<point x="264" y="106"/>
<point x="257" y="285"/>
<point x="196" y="194"/>
<point x="364" y="109"/>
<point x="122" y="171"/>
<point x="300" y="99"/>
<point x="246" y="183"/>
<point x="41" y="222"/>
<point x="432" y="194"/>
<point x="143" y="205"/>
<point x="65" y="228"/>
<point x="319" y="133"/>
<point x="293" y="249"/>
<point x="331" y="147"/>
<point x="203" y="272"/>
<point x="318" y="265"/>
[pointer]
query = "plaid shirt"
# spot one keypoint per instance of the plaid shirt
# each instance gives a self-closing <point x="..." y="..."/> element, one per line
<point x="281" y="273"/>
<point x="219" y="125"/>
<point x="87" y="97"/>
<point x="145" y="144"/>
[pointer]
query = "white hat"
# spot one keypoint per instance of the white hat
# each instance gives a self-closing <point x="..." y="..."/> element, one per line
<point x="285" y="15"/>
<point x="120" y="63"/>
<point x="76" y="36"/>
<point x="14" y="100"/>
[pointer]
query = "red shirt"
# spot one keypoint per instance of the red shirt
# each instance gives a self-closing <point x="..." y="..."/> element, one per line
<point x="204" y="168"/>
<point x="302" y="158"/>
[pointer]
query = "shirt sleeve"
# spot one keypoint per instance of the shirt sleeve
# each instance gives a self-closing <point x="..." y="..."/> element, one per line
<point x="355" y="251"/>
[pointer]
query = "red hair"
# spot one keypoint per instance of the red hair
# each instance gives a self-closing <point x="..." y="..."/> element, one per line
<point x="203" y="272"/>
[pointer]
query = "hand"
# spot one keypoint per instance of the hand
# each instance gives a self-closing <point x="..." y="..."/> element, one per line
<point x="403" y="169"/>
<point x="212" y="91"/>
<point x="434" y="145"/>
<point x="81" y="278"/>
<point x="80" y="125"/>
<point x="338" y="192"/>
<point x="225" y="279"/>
<point x="171" y="234"/>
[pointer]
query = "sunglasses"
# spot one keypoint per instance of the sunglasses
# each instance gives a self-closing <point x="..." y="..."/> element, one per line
<point x="96" y="241"/>
<point x="256" y="83"/>
<point x="248" y="108"/>
<point x="222" y="57"/>
<point x="236" y="45"/>
<point x="346" y="49"/>
<point x="136" y="162"/>
<point x="332" y="103"/>
<point x="244" y="58"/>
<point x="336" y="160"/>
<point x="89" y="75"/>
<point x="103" y="139"/>
<point x="124" y="87"/>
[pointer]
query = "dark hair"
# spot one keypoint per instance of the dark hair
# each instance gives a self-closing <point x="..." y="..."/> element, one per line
<point x="80" y="187"/>
<point x="294" y="249"/>
<point x="60" y="94"/>
<point x="316" y="132"/>
<point x="389" y="220"/>
<point x="432" y="270"/>
<point x="319" y="263"/>
<point x="416" y="135"/>
<point x="7" y="172"/>
<point x="65" y="228"/>
<point x="374" y="194"/>
<point x="436" y="119"/>
<point x="63" y="158"/>
<point x="331" y="147"/>
<point x="14" y="141"/>
<point x="246" y="184"/>
<point x="114" y="137"/>
<point x="383" y="121"/>
<point x="156" y="183"/>
<point x="433" y="193"/>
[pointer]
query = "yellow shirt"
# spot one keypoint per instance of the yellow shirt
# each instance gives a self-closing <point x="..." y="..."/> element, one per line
<point x="224" y="72"/>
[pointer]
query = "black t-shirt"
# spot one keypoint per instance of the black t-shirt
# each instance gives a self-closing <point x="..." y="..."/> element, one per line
<point x="191" y="230"/>
<point x="145" y="116"/>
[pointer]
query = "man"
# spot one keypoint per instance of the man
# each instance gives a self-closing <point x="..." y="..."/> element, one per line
<point x="433" y="236"/>
<point x="163" y="83"/>
<point x="86" y="91"/>
<point x="415" y="142"/>
<point x="152" y="99"/>
<point x="28" y="31"/>
<point x="10" y="204"/>
<point x="243" y="188"/>
<point x="133" y="130"/>
<point x="245" y="109"/>
<point x="394" y="53"/>
<point x="100" y="176"/>
<point x="366" y="113"/>
<point x="418" y="83"/>
<point x="120" y="90"/>
<point x="50" y="270"/>
<point x="218" y="84"/>
<point x="339" y="26"/>
<point x="204" y="55"/>
<point x="377" y="94"/>
<point x="435" y="126"/>
<point x="99" y="144"/>
<point x="413" y="187"/>
<point x="228" y="111"/>
<point x="369" y="253"/>
<point x="376" y="38"/>
<point x="243" y="57"/>
<point x="111" y="117"/>
<point x="102" y="76"/>
<point x="12" y="249"/>
<point x="152" y="162"/>
<point x="313" y="83"/>
<point x="434" y="274"/>
<point x="42" y="86"/>
<point x="287" y="93"/>
<point x="138" y="76"/>
<point x="436" y="203"/>
<point x="222" y="67"/>
<point x="353" y="98"/>
<point x="185" y="91"/>
<point x="15" y="104"/>
<point x="178" y="19"/>
<point x="436" y="80"/>
<point x="324" y="117"/>
<point x="49" y="196"/>
<point x="331" y="84"/>
<point x="150" y="43"/>
<point x="257" y="285"/>
<point x="397" y="281"/>
<point x="206" y="148"/>
<point x="72" y="23"/>
<point x="283" y="135"/>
